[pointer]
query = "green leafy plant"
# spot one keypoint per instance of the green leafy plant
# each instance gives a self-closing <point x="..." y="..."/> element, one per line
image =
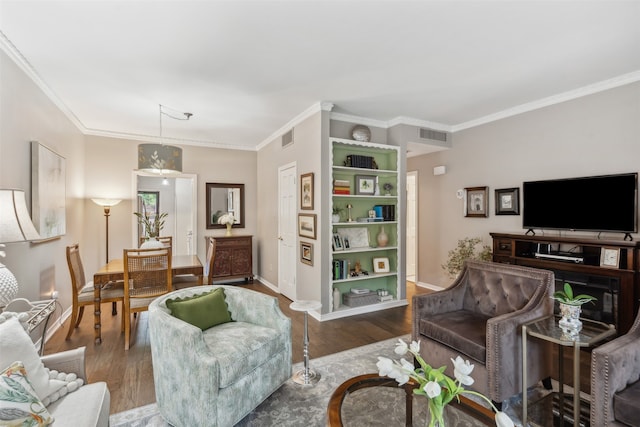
<point x="566" y="296"/>
<point x="467" y="249"/>
<point x="336" y="210"/>
<point x="151" y="225"/>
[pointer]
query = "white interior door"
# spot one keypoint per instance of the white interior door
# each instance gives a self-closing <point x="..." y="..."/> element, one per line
<point x="287" y="202"/>
<point x="412" y="232"/>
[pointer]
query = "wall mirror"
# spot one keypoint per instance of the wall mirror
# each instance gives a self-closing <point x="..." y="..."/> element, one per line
<point x="225" y="198"/>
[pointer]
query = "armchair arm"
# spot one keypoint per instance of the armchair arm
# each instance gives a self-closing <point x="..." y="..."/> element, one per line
<point x="70" y="361"/>
<point x="504" y="346"/>
<point x="614" y="365"/>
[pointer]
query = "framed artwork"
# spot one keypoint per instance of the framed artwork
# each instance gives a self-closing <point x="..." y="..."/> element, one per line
<point x="365" y="184"/>
<point x="48" y="192"/>
<point x="609" y="257"/>
<point x="306" y="253"/>
<point x="381" y="265"/>
<point x="358" y="237"/>
<point x="306" y="191"/>
<point x="508" y="201"/>
<point x="477" y="202"/>
<point x="307" y="225"/>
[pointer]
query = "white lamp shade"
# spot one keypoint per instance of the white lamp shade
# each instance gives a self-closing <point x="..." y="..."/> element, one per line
<point x="15" y="222"/>
<point x="106" y="202"/>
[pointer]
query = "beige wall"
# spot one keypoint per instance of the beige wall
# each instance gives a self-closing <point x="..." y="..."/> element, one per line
<point x="26" y="114"/>
<point x="306" y="153"/>
<point x="593" y="135"/>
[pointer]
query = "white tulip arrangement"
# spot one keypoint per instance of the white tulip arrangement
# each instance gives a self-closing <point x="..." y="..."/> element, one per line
<point x="438" y="388"/>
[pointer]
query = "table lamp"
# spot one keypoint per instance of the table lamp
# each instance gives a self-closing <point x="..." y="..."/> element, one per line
<point x="15" y="226"/>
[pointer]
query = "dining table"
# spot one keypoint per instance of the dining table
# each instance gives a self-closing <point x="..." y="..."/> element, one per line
<point x="114" y="271"/>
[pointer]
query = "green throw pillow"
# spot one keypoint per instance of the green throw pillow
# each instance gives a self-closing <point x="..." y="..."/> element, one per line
<point x="204" y="310"/>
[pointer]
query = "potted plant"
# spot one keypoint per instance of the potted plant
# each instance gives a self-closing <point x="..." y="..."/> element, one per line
<point x="335" y="213"/>
<point x="570" y="309"/>
<point x="151" y="225"/>
<point x="466" y="249"/>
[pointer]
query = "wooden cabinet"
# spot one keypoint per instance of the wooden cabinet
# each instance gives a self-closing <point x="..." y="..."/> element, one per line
<point x="233" y="259"/>
<point x="582" y="262"/>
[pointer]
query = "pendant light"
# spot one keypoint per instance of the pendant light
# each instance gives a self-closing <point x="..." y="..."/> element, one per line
<point x="162" y="159"/>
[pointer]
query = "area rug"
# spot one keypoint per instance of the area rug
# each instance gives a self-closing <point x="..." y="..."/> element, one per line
<point x="293" y="405"/>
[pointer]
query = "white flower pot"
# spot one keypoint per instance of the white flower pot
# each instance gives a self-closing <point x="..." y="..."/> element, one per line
<point x="570" y="322"/>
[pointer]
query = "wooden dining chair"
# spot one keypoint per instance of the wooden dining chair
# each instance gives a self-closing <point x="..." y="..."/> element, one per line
<point x="147" y="275"/>
<point x="82" y="291"/>
<point x="187" y="280"/>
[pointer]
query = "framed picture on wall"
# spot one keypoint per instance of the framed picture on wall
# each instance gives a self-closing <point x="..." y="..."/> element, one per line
<point x="306" y="191"/>
<point x="477" y="202"/>
<point x="306" y="253"/>
<point x="307" y="225"/>
<point x="48" y="191"/>
<point x="508" y="201"/>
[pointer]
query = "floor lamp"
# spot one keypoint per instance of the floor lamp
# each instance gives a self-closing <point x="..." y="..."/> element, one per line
<point x="107" y="204"/>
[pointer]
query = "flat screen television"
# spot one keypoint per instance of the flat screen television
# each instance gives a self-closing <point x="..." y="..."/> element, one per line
<point x="595" y="203"/>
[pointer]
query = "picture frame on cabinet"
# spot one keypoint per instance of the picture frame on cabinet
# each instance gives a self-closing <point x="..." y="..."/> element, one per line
<point x="306" y="253"/>
<point x="381" y="265"/>
<point x="338" y="242"/>
<point x="306" y="191"/>
<point x="365" y="185"/>
<point x="307" y="225"/>
<point x="477" y="202"/>
<point x="609" y="257"/>
<point x="507" y="201"/>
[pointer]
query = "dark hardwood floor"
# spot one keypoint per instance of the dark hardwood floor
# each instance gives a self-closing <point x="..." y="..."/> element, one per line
<point x="129" y="374"/>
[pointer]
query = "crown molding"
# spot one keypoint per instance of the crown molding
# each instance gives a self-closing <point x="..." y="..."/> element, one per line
<point x="552" y="100"/>
<point x="18" y="58"/>
<point x="165" y="140"/>
<point x="313" y="109"/>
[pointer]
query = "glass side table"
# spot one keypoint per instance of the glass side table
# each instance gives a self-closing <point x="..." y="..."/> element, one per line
<point x="39" y="313"/>
<point x="547" y="329"/>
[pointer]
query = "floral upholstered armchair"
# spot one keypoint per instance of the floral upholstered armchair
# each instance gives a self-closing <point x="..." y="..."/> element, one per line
<point x="216" y="376"/>
<point x="480" y="317"/>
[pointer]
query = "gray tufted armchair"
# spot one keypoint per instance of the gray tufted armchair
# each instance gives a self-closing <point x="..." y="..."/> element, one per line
<point x="615" y="380"/>
<point x="479" y="317"/>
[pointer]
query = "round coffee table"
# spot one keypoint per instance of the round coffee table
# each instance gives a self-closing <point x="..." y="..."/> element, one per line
<point x="306" y="376"/>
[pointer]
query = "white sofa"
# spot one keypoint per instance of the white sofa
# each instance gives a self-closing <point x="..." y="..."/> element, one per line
<point x="89" y="405"/>
<point x="67" y="398"/>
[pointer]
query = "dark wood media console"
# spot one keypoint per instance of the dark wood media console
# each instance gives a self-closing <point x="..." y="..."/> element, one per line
<point x="579" y="261"/>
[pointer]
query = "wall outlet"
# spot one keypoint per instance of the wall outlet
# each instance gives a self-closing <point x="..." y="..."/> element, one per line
<point x="54" y="295"/>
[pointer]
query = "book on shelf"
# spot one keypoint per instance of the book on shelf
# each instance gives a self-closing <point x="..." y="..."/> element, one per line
<point x="360" y="290"/>
<point x="382" y="298"/>
<point x="340" y="269"/>
<point x="341" y="183"/>
<point x="358" y="161"/>
<point x="388" y="212"/>
<point x="341" y="191"/>
<point x="367" y="219"/>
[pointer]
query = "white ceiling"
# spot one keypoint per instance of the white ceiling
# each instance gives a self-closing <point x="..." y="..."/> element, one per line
<point x="247" y="69"/>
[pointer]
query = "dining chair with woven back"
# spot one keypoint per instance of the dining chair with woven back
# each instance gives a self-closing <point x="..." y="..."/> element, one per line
<point x="82" y="291"/>
<point x="147" y="275"/>
<point x="188" y="280"/>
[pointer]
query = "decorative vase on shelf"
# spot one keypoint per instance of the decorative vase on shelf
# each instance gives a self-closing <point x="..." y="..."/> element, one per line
<point x="383" y="238"/>
<point x="337" y="296"/>
<point x="229" y="225"/>
<point x="335" y="217"/>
